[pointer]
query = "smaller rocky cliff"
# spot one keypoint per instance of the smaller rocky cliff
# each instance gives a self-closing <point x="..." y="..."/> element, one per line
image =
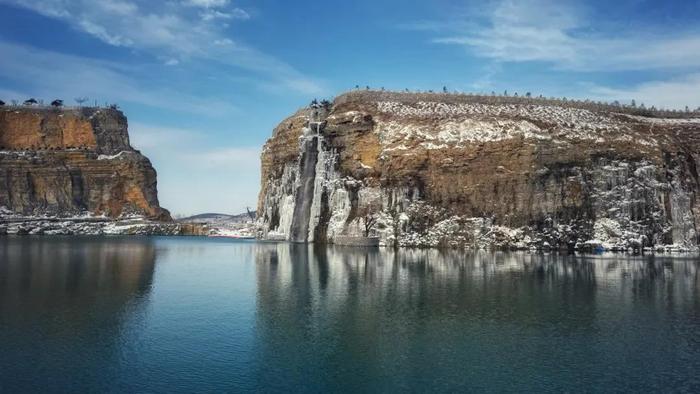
<point x="57" y="163"/>
<point x="456" y="170"/>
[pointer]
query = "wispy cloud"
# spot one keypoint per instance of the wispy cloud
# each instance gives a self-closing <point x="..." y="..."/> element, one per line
<point x="560" y="33"/>
<point x="675" y="93"/>
<point x="174" y="30"/>
<point x="189" y="169"/>
<point x="236" y="13"/>
<point x="208" y="3"/>
<point x="50" y="74"/>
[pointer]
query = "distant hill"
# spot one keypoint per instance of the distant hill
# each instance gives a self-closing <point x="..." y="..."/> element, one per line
<point x="218" y="218"/>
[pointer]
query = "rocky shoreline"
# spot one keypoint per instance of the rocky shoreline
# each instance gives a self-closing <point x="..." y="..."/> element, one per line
<point x="97" y="226"/>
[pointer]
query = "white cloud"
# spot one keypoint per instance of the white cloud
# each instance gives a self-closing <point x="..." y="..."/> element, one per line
<point x="101" y="33"/>
<point x="673" y="94"/>
<point x="171" y="30"/>
<point x="50" y="74"/>
<point x="207" y="3"/>
<point x="149" y="137"/>
<point x="556" y="32"/>
<point x="118" y="7"/>
<point x="231" y="158"/>
<point x="235" y="13"/>
<point x="194" y="178"/>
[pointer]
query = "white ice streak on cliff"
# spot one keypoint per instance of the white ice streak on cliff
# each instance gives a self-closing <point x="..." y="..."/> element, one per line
<point x="279" y="202"/>
<point x="324" y="178"/>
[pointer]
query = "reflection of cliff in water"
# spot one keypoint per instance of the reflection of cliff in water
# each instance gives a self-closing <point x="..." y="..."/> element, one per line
<point x="60" y="295"/>
<point x="42" y="273"/>
<point x="376" y="305"/>
<point x="422" y="278"/>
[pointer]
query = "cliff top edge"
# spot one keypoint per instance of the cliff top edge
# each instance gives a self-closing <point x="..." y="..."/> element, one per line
<point x="373" y="96"/>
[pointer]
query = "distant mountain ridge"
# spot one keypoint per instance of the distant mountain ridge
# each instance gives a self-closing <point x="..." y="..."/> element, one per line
<point x="212" y="217"/>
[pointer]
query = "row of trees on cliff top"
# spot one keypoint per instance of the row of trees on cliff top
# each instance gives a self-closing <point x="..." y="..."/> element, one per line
<point x="506" y="98"/>
<point x="57" y="103"/>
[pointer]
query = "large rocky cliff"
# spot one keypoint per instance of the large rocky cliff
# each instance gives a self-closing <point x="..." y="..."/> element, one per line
<point x="457" y="170"/>
<point x="73" y="162"/>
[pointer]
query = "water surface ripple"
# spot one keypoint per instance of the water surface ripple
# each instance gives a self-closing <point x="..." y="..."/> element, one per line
<point x="144" y="314"/>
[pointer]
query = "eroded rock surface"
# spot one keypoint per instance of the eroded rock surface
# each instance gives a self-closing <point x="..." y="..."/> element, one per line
<point x="73" y="163"/>
<point x="450" y="170"/>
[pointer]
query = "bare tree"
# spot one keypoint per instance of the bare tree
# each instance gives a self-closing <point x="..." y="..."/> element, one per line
<point x="251" y="214"/>
<point x="368" y="213"/>
<point x="370" y="221"/>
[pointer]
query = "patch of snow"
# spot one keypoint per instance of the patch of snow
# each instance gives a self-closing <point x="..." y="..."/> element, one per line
<point x="666" y="121"/>
<point x="458" y="124"/>
<point x="110" y="157"/>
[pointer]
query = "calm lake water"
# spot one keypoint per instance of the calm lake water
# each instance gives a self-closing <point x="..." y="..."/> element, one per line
<point x="205" y="315"/>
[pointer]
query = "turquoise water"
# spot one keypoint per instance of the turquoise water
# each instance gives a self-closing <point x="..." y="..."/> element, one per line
<point x="213" y="315"/>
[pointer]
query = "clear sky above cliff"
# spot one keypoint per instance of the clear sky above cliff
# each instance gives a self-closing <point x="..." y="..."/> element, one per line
<point x="203" y="82"/>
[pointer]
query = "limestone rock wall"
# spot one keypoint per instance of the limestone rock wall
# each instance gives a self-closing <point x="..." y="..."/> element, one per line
<point x="449" y="170"/>
<point x="73" y="162"/>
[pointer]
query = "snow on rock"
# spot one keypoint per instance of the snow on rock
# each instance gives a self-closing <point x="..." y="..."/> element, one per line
<point x="479" y="175"/>
<point x="457" y="124"/>
<point x="111" y="157"/>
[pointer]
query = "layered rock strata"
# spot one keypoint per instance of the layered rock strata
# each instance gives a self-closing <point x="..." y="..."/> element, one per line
<point x="452" y="170"/>
<point x="57" y="163"/>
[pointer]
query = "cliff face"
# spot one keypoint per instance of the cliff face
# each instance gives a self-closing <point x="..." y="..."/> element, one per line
<point x="73" y="162"/>
<point x="448" y="170"/>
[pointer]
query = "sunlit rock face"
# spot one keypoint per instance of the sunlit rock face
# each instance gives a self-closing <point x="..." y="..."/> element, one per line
<point x="453" y="170"/>
<point x="66" y="162"/>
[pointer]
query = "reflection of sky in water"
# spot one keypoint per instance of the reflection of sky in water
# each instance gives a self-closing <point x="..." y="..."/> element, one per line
<point x="193" y="314"/>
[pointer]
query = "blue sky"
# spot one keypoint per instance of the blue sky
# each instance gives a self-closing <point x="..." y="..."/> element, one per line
<point x="204" y="82"/>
